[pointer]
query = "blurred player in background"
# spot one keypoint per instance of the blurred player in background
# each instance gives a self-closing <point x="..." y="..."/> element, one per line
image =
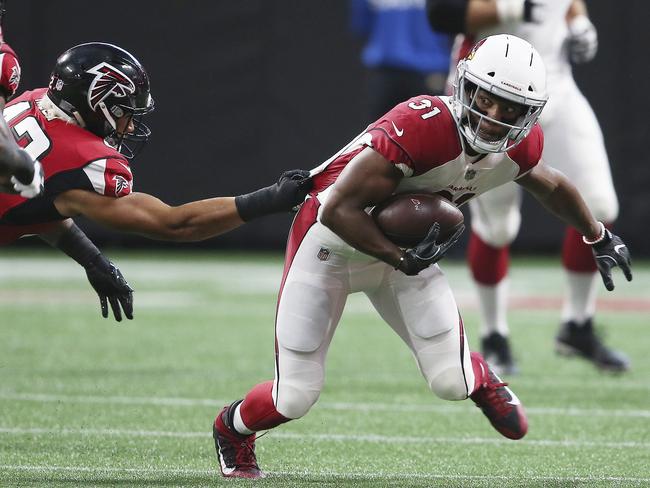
<point x="402" y="55"/>
<point x="82" y="129"/>
<point x="483" y="136"/>
<point x="562" y="32"/>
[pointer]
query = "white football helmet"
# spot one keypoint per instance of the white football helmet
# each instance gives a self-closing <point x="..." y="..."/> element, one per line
<point x="508" y="67"/>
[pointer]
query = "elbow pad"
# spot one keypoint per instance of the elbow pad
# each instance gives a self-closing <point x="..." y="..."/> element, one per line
<point x="447" y="16"/>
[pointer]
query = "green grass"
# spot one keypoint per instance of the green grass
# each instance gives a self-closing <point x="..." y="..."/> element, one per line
<point x="88" y="402"/>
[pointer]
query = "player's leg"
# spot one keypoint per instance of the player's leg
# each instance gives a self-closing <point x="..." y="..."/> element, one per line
<point x="574" y="144"/>
<point x="422" y="311"/>
<point x="312" y="297"/>
<point x="495" y="223"/>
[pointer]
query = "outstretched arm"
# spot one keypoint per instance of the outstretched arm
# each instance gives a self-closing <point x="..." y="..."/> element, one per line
<point x="553" y="190"/>
<point x="103" y="275"/>
<point x="146" y="215"/>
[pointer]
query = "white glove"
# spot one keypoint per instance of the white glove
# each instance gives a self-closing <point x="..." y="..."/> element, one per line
<point x="583" y="39"/>
<point x="521" y="10"/>
<point x="35" y="188"/>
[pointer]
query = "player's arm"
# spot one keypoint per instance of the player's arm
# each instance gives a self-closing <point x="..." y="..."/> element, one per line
<point x="473" y="16"/>
<point x="555" y="192"/>
<point x="367" y="180"/>
<point x="146" y="215"/>
<point x="103" y="275"/>
<point x="583" y="36"/>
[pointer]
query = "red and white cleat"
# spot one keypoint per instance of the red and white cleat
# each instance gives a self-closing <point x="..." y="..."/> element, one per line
<point x="499" y="404"/>
<point x="236" y="452"/>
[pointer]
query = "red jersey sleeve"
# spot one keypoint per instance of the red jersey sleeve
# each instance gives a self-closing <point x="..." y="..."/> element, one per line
<point x="528" y="153"/>
<point x="417" y="135"/>
<point x="110" y="177"/>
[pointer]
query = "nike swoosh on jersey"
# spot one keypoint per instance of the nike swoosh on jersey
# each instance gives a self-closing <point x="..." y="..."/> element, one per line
<point x="399" y="132"/>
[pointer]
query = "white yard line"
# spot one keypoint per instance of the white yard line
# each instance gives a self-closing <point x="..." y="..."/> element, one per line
<point x="343" y="406"/>
<point x="316" y="474"/>
<point x="370" y="438"/>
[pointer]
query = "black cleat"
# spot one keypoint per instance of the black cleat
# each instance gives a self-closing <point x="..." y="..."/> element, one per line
<point x="581" y="340"/>
<point x="496" y="351"/>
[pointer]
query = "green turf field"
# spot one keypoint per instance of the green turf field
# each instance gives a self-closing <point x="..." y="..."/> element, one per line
<point x="87" y="402"/>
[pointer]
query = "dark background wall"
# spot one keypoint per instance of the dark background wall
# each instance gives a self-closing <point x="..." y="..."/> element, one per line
<point x="245" y="89"/>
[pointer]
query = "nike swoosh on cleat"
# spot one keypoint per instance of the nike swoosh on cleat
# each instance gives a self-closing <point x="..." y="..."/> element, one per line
<point x="514" y="400"/>
<point x="399" y="132"/>
<point x="619" y="246"/>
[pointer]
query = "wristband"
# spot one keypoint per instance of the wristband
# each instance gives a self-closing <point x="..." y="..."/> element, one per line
<point x="509" y="10"/>
<point x="579" y="25"/>
<point x="600" y="237"/>
<point x="255" y="204"/>
<point x="77" y="245"/>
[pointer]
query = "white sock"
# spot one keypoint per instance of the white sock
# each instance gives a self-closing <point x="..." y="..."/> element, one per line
<point x="580" y="299"/>
<point x="239" y="424"/>
<point x="493" y="304"/>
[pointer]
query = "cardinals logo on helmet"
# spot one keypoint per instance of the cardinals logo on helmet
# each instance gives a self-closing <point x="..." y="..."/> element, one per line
<point x="108" y="81"/>
<point x="122" y="185"/>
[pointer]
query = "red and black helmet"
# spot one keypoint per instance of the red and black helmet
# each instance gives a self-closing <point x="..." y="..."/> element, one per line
<point x="97" y="83"/>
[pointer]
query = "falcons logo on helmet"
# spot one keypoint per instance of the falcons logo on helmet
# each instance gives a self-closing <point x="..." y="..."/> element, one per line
<point x="108" y="81"/>
<point x="122" y="185"/>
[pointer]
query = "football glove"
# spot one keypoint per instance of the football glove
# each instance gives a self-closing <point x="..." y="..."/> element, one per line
<point x="611" y="251"/>
<point x="289" y="192"/>
<point x="427" y="252"/>
<point x="33" y="188"/>
<point x="521" y="10"/>
<point x="583" y="39"/>
<point x="9" y="71"/>
<point x="111" y="287"/>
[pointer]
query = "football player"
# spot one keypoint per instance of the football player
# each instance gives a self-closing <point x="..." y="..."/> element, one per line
<point x="82" y="128"/>
<point x="562" y="32"/>
<point x="483" y="136"/>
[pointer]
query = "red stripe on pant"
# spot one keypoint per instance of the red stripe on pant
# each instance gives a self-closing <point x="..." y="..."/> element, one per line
<point x="258" y="409"/>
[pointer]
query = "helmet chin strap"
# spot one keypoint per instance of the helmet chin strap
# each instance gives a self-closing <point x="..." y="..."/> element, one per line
<point x="108" y="115"/>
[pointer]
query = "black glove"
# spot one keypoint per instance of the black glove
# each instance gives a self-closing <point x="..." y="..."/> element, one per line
<point x="427" y="252"/>
<point x="110" y="285"/>
<point x="610" y="252"/>
<point x="290" y="191"/>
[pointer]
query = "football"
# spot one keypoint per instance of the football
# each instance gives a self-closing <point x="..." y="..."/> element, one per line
<point x="406" y="218"/>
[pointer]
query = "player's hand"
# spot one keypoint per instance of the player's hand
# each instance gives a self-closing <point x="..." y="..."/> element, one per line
<point x="33" y="188"/>
<point x="289" y="192"/>
<point x="9" y="71"/>
<point x="428" y="251"/>
<point x="533" y="11"/>
<point x="583" y="39"/>
<point x="111" y="287"/>
<point x="292" y="188"/>
<point x="611" y="252"/>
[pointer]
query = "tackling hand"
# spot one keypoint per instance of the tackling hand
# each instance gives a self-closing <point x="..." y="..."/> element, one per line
<point x="611" y="252"/>
<point x="111" y="287"/>
<point x="427" y="252"/>
<point x="583" y="39"/>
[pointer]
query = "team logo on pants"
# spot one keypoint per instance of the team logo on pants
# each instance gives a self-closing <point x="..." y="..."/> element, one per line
<point x="470" y="174"/>
<point x="323" y="254"/>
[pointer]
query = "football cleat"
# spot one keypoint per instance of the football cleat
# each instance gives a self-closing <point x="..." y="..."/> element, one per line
<point x="499" y="404"/>
<point x="581" y="340"/>
<point x="236" y="452"/>
<point x="496" y="351"/>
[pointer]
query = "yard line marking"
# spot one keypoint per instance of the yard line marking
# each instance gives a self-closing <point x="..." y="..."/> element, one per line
<point x="344" y="406"/>
<point x="372" y="438"/>
<point x="334" y="474"/>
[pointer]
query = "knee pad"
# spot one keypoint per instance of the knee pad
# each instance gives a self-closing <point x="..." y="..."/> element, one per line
<point x="299" y="386"/>
<point x="449" y="384"/>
